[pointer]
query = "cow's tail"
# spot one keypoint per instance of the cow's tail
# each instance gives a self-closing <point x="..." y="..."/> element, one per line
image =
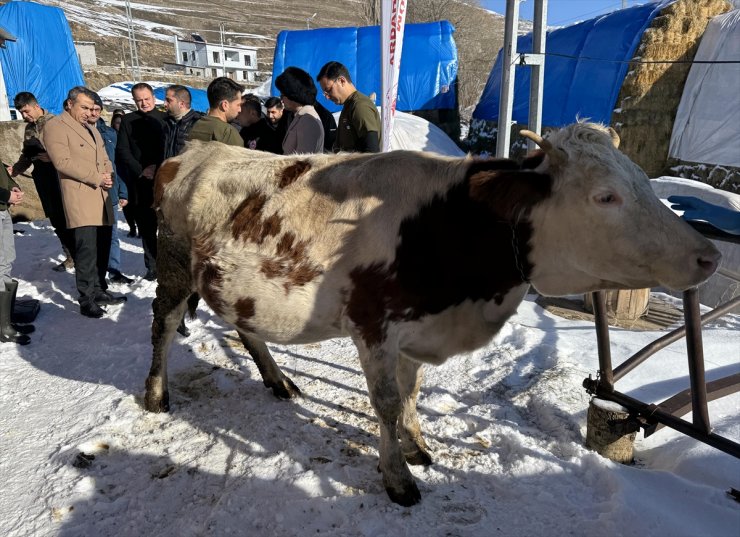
<point x="165" y="175"/>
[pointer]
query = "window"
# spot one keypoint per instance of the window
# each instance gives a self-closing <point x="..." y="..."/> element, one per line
<point x="247" y="60"/>
<point x="192" y="55"/>
<point x="216" y="57"/>
<point x="244" y="75"/>
<point x="184" y="56"/>
<point x="214" y="72"/>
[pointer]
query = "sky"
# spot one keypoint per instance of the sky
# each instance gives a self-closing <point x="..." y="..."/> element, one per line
<point x="563" y="12"/>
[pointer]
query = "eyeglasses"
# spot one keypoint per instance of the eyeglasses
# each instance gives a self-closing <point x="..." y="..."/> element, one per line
<point x="327" y="91"/>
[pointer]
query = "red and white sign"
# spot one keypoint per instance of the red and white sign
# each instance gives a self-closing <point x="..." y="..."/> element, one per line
<point x="393" y="17"/>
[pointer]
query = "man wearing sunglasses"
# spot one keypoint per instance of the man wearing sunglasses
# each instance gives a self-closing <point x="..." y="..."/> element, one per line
<point x="358" y="128"/>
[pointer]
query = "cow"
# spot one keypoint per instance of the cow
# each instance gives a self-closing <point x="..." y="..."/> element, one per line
<point x="416" y="257"/>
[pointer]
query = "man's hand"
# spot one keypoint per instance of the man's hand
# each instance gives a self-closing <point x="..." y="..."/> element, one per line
<point x="106" y="181"/>
<point x="16" y="196"/>
<point x="148" y="172"/>
<point x="122" y="203"/>
<point x="10" y="171"/>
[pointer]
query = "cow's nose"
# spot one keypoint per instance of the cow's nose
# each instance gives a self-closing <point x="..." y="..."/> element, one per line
<point x="709" y="262"/>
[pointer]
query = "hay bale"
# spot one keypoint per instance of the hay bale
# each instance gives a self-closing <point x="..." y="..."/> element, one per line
<point x="647" y="103"/>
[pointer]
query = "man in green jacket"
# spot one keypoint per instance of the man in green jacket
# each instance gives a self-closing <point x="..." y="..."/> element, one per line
<point x="224" y="101"/>
<point x="358" y="128"/>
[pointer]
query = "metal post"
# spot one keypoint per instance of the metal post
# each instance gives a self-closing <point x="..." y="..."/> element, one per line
<point x="135" y="73"/>
<point x="506" y="100"/>
<point x="700" y="414"/>
<point x="537" y="73"/>
<point x="223" y="53"/>
<point x="606" y="376"/>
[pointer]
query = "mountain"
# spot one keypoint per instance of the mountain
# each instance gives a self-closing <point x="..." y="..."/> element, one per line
<point x="479" y="32"/>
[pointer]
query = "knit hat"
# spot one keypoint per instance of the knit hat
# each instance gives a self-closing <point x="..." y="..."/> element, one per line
<point x="297" y="85"/>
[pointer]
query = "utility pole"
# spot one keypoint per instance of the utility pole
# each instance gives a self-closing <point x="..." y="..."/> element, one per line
<point x="135" y="73"/>
<point x="222" y="28"/>
<point x="309" y="19"/>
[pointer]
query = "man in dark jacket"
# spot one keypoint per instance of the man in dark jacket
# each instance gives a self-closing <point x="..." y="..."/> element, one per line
<point x="139" y="151"/>
<point x="180" y="119"/>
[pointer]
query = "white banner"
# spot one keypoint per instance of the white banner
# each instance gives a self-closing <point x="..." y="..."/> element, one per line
<point x="393" y="17"/>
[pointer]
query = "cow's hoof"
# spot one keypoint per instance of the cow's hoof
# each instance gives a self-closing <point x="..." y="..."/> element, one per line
<point x="408" y="497"/>
<point x="418" y="457"/>
<point x="157" y="404"/>
<point x="285" y="389"/>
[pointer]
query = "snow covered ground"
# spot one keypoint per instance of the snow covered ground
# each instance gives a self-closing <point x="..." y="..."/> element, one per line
<point x="80" y="457"/>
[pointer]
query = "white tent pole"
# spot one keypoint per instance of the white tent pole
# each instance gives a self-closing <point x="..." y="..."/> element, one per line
<point x="506" y="99"/>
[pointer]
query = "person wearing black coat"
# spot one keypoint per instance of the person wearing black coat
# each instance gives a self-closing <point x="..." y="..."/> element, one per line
<point x="139" y="152"/>
<point x="180" y="119"/>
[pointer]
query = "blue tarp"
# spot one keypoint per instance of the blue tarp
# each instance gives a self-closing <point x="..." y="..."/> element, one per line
<point x="43" y="60"/>
<point x="428" y="63"/>
<point x="586" y="86"/>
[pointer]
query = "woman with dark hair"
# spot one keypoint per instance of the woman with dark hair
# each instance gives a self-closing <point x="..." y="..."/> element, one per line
<point x="305" y="133"/>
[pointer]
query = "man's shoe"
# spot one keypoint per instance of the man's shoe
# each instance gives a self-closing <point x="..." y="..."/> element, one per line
<point x="150" y="275"/>
<point x="131" y="233"/>
<point x="91" y="309"/>
<point x="104" y="298"/>
<point x="117" y="277"/>
<point x="59" y="268"/>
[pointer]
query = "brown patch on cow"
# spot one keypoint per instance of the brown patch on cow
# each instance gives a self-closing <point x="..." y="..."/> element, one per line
<point x="285" y="243"/>
<point x="291" y="262"/>
<point x="291" y="174"/>
<point x="247" y="222"/>
<point x="245" y="310"/>
<point x="247" y="217"/>
<point x="165" y="175"/>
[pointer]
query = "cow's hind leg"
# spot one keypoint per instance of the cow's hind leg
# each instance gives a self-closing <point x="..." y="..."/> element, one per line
<point x="174" y="296"/>
<point x="380" y="371"/>
<point x="409" y="375"/>
<point x="272" y="376"/>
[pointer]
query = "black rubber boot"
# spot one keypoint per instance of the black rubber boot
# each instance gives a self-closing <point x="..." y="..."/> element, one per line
<point x="12" y="288"/>
<point x="8" y="334"/>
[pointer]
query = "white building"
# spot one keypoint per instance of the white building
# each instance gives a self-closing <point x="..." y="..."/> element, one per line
<point x="86" y="53"/>
<point x="211" y="60"/>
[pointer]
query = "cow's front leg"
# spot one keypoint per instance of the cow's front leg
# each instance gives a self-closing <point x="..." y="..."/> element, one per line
<point x="415" y="450"/>
<point x="380" y="372"/>
<point x="272" y="376"/>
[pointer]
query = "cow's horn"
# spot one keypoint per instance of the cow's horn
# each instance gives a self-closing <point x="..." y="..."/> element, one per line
<point x="536" y="138"/>
<point x="615" y="137"/>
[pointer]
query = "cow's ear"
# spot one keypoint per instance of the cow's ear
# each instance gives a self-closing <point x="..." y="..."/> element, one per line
<point x="510" y="193"/>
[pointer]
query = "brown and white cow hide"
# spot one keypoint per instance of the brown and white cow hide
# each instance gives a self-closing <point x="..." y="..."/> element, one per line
<point x="416" y="257"/>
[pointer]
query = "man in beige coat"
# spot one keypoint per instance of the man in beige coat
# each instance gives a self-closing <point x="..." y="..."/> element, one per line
<point x="79" y="156"/>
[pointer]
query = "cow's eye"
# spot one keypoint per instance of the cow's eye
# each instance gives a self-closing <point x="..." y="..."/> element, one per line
<point x="607" y="198"/>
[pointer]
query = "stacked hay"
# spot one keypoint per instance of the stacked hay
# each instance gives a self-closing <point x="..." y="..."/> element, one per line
<point x="647" y="103"/>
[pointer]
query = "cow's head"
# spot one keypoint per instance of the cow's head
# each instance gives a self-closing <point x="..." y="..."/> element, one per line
<point x="603" y="227"/>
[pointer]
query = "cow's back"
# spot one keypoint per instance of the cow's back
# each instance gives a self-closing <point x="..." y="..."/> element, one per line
<point x="281" y="234"/>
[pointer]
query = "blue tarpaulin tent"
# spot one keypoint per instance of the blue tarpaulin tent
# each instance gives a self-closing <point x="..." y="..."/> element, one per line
<point x="428" y="63"/>
<point x="43" y="60"/>
<point x="584" y="69"/>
